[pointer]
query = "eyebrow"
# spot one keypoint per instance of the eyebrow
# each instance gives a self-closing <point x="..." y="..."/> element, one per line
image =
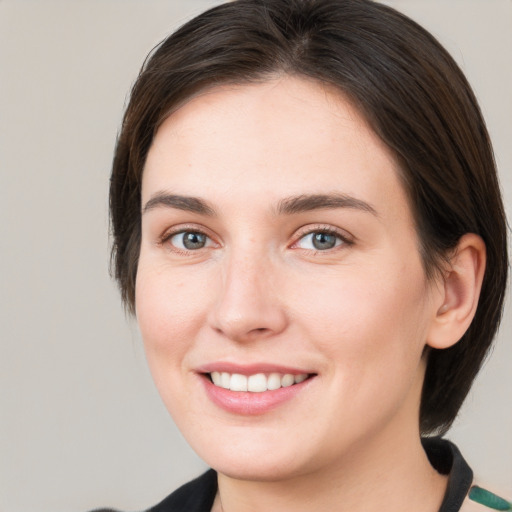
<point x="309" y="202"/>
<point x="288" y="206"/>
<point x="186" y="203"/>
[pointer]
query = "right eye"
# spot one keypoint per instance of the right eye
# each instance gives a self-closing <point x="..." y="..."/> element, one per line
<point x="189" y="240"/>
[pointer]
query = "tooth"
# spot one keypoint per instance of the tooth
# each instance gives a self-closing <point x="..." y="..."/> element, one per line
<point x="287" y="380"/>
<point x="257" y="383"/>
<point x="300" y="378"/>
<point x="274" y="381"/>
<point x="238" y="382"/>
<point x="224" y="380"/>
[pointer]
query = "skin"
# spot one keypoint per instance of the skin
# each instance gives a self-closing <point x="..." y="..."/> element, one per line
<point x="358" y="316"/>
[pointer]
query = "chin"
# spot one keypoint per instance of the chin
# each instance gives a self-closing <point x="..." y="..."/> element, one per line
<point x="254" y="459"/>
<point x="267" y="469"/>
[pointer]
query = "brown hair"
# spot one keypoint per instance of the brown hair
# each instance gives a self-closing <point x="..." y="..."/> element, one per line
<point x="411" y="92"/>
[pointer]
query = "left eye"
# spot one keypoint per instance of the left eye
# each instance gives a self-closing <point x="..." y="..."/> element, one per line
<point x="319" y="241"/>
<point x="190" y="240"/>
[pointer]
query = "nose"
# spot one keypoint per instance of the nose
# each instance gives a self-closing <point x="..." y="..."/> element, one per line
<point x="249" y="305"/>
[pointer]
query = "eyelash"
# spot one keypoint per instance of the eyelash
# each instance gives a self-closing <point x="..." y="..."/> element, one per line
<point x="165" y="239"/>
<point x="344" y="240"/>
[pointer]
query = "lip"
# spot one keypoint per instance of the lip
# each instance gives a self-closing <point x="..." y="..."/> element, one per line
<point x="250" y="369"/>
<point x="245" y="402"/>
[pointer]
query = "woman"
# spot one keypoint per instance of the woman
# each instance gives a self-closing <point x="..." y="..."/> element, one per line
<point x="308" y="226"/>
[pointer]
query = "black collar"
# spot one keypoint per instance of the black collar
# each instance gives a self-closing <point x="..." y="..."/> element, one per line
<point x="446" y="458"/>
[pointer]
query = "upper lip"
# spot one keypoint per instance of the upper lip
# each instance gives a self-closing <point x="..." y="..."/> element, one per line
<point x="250" y="369"/>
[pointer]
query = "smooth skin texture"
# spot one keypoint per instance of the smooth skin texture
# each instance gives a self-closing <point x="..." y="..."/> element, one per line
<point x="233" y="276"/>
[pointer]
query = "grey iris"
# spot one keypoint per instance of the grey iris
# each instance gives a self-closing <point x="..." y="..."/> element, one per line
<point x="322" y="241"/>
<point x="193" y="240"/>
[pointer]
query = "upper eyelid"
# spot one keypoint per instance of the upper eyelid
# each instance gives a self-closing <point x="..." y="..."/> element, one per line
<point x="308" y="229"/>
<point x="168" y="233"/>
<point x="180" y="228"/>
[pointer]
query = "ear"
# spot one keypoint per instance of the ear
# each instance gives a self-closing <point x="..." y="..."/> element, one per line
<point x="459" y="292"/>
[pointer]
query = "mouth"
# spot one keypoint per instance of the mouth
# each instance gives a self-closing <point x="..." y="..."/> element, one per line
<point x="255" y="383"/>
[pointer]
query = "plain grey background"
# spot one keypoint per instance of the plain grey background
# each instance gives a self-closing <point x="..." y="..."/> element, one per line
<point x="80" y="422"/>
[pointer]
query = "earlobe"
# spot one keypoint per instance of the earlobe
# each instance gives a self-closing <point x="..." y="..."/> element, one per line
<point x="460" y="290"/>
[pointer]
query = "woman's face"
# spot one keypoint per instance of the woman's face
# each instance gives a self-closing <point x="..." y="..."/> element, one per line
<point x="278" y="247"/>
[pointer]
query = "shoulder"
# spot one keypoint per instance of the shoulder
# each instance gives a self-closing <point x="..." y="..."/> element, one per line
<point x="464" y="493"/>
<point x="197" y="495"/>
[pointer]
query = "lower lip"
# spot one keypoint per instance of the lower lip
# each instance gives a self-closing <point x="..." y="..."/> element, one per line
<point x="247" y="403"/>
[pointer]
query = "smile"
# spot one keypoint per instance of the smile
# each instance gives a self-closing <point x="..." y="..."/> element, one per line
<point x="253" y="392"/>
<point x="257" y="383"/>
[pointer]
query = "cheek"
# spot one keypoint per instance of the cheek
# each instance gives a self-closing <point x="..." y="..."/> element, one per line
<point x="360" y="318"/>
<point x="374" y="337"/>
<point x="170" y="308"/>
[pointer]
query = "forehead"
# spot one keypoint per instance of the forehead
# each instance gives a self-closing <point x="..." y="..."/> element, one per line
<point x="282" y="137"/>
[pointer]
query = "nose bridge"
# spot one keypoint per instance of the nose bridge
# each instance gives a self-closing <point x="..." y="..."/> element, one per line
<point x="247" y="305"/>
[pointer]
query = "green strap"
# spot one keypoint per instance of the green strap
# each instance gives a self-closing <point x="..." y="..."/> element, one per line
<point x="488" y="499"/>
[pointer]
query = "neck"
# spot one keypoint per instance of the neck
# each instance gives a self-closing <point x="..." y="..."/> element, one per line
<point x="386" y="474"/>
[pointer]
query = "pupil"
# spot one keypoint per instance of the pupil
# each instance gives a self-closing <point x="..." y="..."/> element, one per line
<point x="324" y="241"/>
<point x="194" y="240"/>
